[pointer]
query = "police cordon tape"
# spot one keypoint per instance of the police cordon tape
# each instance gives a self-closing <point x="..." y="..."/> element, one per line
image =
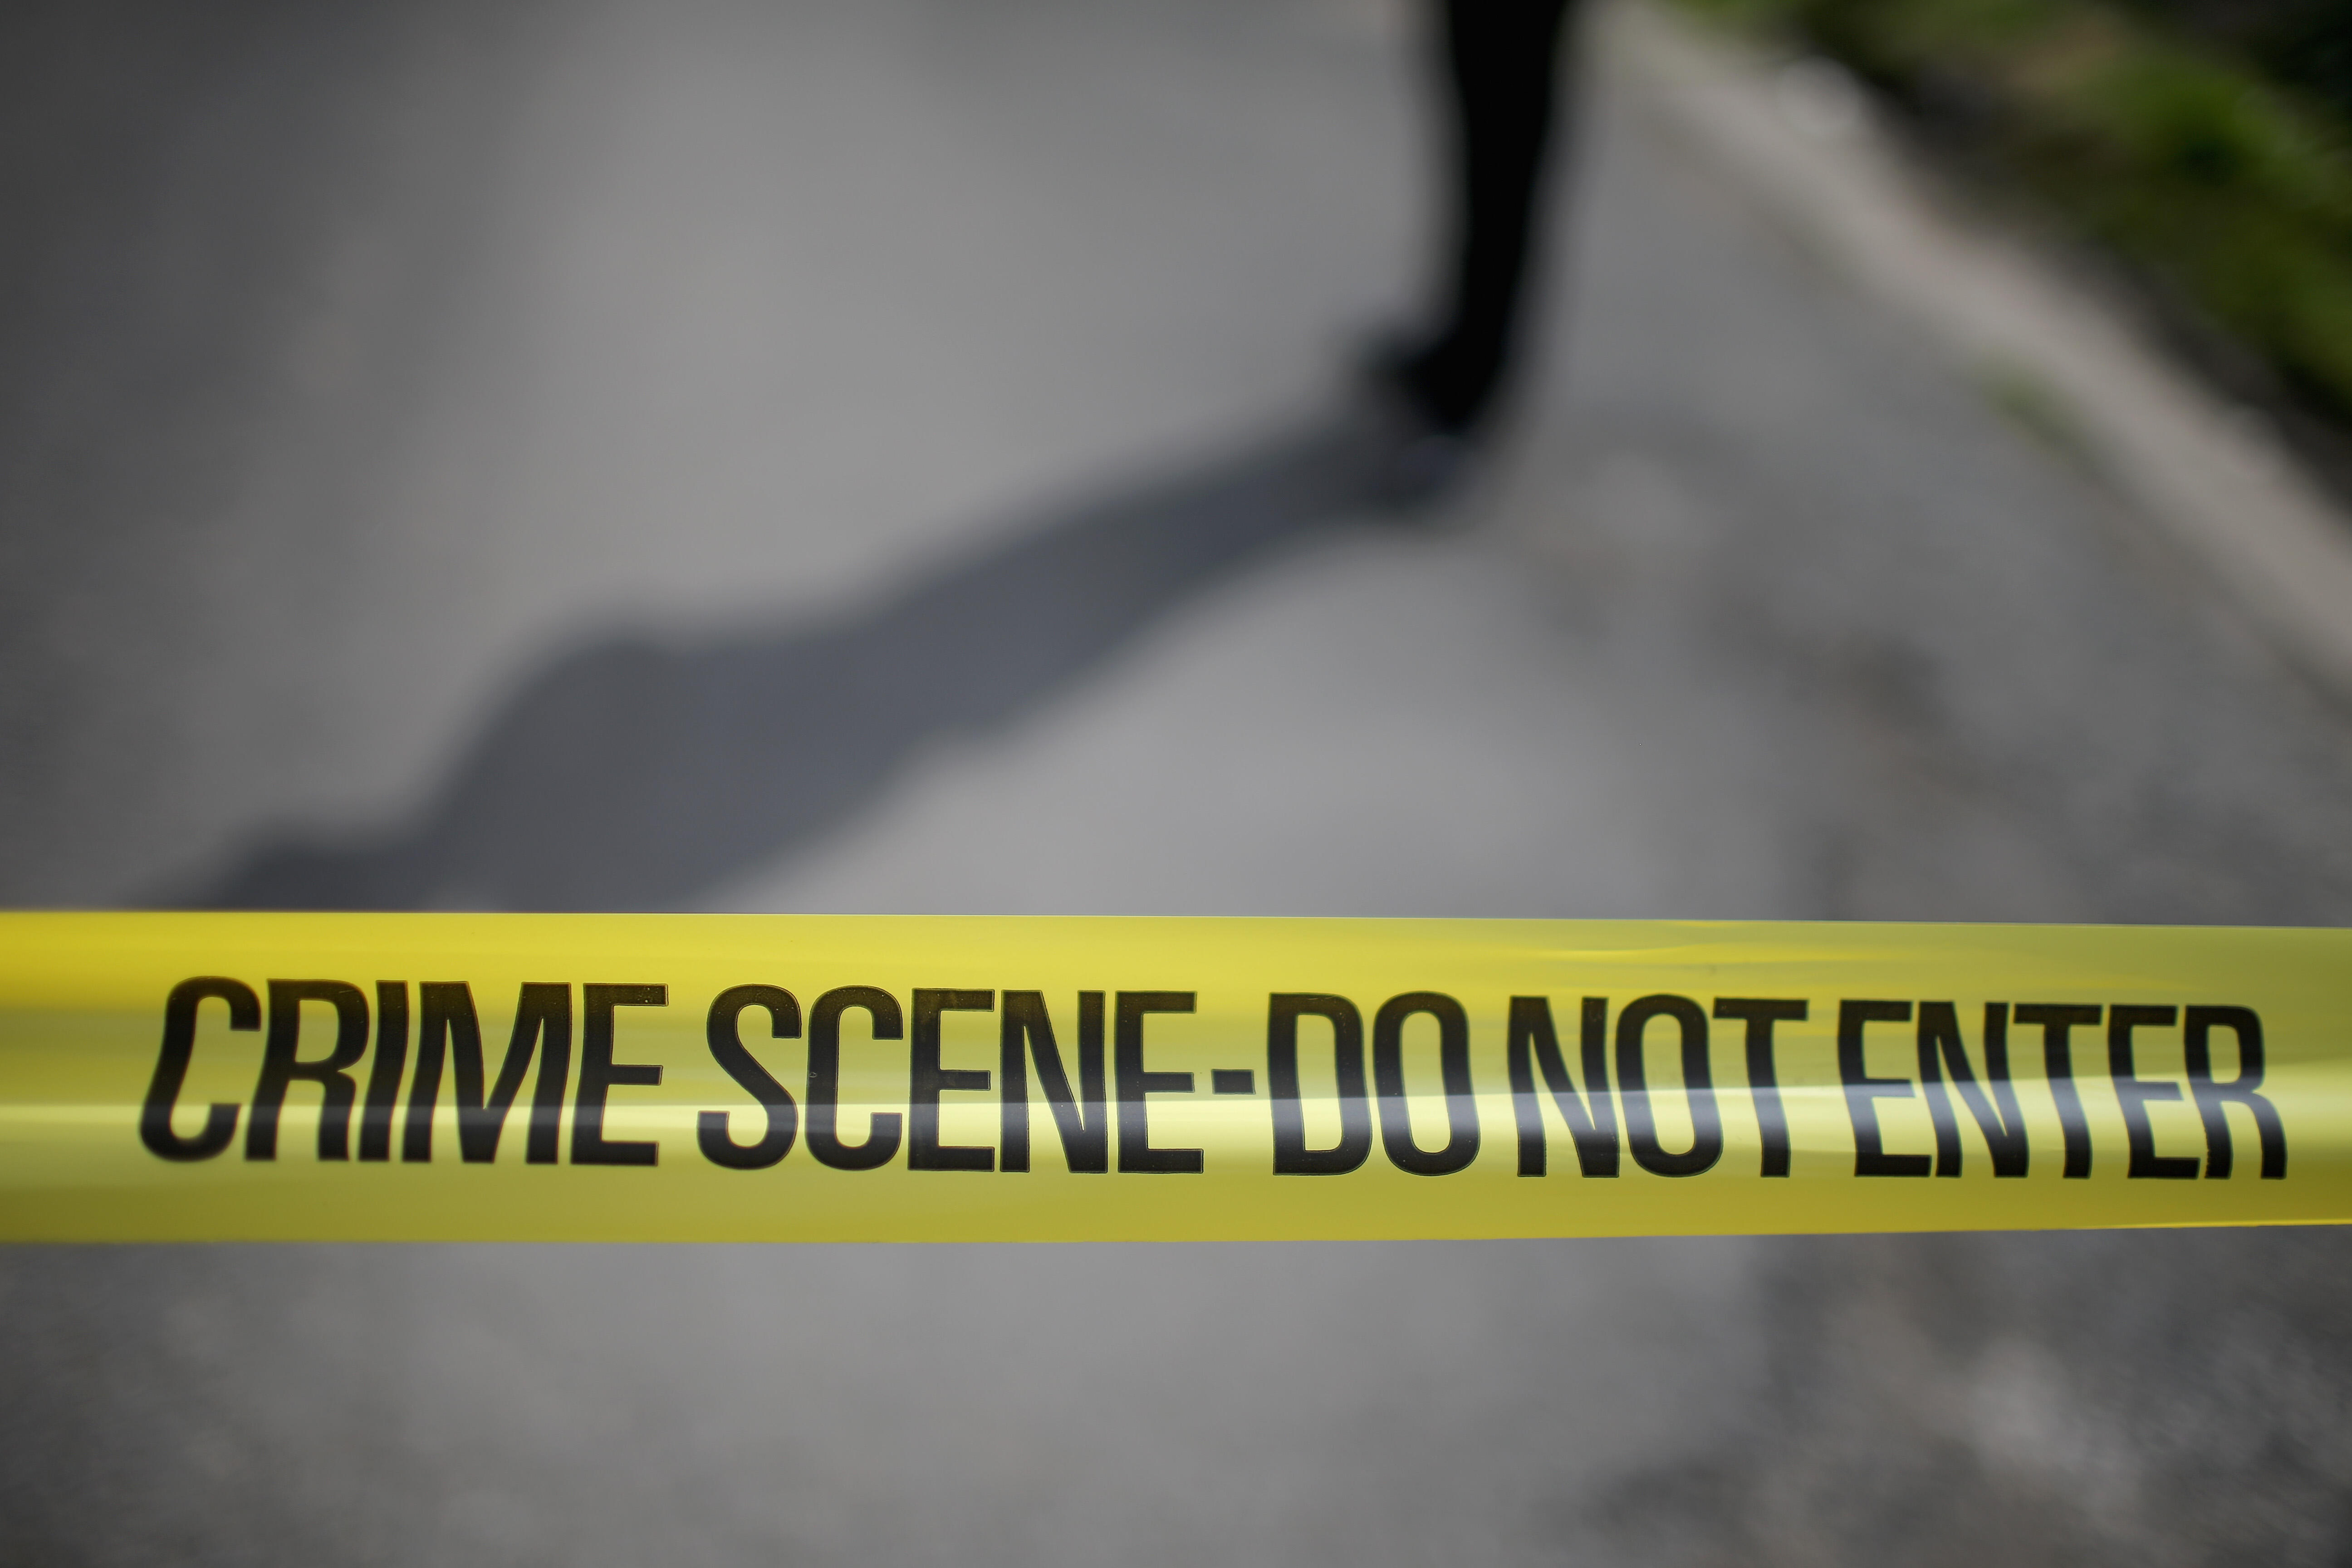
<point x="217" y="1076"/>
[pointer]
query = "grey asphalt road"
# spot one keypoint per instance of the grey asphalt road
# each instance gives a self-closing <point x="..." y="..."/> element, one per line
<point x="910" y="423"/>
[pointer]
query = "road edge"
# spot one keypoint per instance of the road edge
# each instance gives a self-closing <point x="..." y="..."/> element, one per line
<point x="2216" y="483"/>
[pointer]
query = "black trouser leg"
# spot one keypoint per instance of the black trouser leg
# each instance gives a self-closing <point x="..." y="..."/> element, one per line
<point x="1499" y="79"/>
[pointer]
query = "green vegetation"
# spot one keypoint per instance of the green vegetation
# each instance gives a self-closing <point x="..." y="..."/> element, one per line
<point x="2215" y="158"/>
<point x="2036" y="407"/>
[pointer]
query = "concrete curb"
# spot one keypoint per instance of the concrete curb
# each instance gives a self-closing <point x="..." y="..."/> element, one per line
<point x="2216" y="483"/>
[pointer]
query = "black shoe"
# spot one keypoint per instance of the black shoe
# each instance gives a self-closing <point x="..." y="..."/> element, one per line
<point x="1417" y="456"/>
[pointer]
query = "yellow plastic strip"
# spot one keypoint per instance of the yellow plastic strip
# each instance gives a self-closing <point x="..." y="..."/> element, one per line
<point x="223" y="1077"/>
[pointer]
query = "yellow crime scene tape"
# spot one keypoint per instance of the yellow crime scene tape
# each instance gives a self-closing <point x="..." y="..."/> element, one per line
<point x="219" y="1077"/>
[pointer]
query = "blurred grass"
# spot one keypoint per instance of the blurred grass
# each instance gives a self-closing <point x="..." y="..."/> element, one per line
<point x="2208" y="146"/>
<point x="2036" y="407"/>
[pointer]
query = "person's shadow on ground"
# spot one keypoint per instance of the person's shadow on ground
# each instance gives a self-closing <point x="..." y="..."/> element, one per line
<point x="634" y="773"/>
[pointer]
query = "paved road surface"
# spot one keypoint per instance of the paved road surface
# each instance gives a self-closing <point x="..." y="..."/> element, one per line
<point x="917" y="418"/>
